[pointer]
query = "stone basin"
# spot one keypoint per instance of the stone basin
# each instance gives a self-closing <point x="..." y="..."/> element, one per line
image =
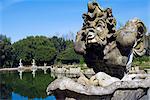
<point x="68" y="89"/>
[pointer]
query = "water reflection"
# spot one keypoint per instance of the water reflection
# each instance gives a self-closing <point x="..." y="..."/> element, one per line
<point x="12" y="86"/>
<point x="5" y="91"/>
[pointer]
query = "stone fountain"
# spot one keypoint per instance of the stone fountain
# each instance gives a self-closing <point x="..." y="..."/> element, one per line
<point x="110" y="53"/>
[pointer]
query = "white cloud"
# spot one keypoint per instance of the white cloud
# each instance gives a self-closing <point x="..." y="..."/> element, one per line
<point x="5" y="3"/>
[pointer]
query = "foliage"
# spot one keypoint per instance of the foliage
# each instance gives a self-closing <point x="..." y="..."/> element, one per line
<point x="59" y="43"/>
<point x="39" y="48"/>
<point x="143" y="58"/>
<point x="69" y="55"/>
<point x="5" y="51"/>
<point x="143" y="62"/>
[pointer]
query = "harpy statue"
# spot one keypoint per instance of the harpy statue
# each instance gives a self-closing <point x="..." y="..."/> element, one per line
<point x="106" y="49"/>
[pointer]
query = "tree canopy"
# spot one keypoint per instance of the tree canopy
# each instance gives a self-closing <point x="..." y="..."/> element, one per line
<point x="45" y="50"/>
<point x="5" y="51"/>
<point x="39" y="48"/>
<point x="68" y="56"/>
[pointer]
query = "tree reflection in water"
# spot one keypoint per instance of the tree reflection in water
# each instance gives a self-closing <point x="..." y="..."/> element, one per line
<point x="5" y="92"/>
<point x="28" y="87"/>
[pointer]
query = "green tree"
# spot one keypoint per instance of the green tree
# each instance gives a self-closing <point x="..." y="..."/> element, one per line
<point x="40" y="48"/>
<point x="5" y="52"/>
<point x="59" y="43"/>
<point x="68" y="56"/>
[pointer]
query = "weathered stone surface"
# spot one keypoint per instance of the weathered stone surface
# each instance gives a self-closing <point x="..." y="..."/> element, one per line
<point x="100" y="79"/>
<point x="110" y="53"/>
<point x="131" y="87"/>
<point x="136" y="94"/>
<point x="119" y="90"/>
<point x="105" y="48"/>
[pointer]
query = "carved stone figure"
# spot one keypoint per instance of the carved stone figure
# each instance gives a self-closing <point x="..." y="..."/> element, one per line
<point x="100" y="79"/>
<point x="109" y="52"/>
<point x="106" y="49"/>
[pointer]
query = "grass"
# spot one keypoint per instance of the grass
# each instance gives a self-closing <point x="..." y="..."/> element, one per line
<point x="143" y="62"/>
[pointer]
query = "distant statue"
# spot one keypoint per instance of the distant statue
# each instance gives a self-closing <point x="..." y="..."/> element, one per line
<point x="106" y="49"/>
<point x="33" y="68"/>
<point x="45" y="68"/>
<point x="20" y="68"/>
<point x="33" y="62"/>
<point x="20" y="63"/>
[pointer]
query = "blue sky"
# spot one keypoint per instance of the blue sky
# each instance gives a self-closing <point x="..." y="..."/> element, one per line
<point x="21" y="18"/>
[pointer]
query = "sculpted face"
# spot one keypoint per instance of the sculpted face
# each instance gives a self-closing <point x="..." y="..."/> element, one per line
<point x="132" y="35"/>
<point x="97" y="27"/>
<point x="96" y="32"/>
<point x="93" y="34"/>
<point x="105" y="49"/>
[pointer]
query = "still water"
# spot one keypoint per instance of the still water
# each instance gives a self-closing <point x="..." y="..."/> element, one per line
<point x="13" y="88"/>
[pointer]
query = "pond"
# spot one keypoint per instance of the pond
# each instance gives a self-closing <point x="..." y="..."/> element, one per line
<point x="12" y="87"/>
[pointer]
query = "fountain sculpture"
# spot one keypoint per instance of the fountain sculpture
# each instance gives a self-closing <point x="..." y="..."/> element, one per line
<point x="110" y="53"/>
<point x="105" y="48"/>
